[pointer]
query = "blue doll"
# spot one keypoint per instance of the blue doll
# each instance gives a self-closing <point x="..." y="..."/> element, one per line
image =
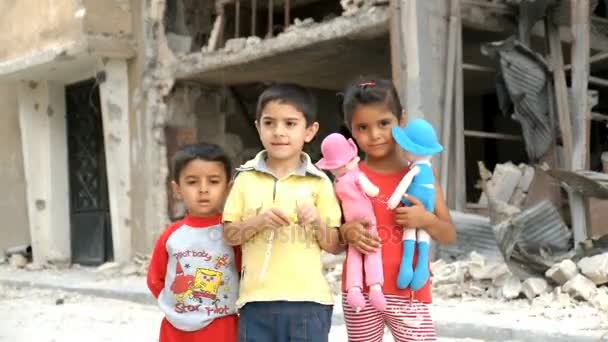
<point x="419" y="141"/>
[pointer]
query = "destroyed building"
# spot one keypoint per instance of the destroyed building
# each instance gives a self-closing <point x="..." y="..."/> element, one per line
<point x="99" y="94"/>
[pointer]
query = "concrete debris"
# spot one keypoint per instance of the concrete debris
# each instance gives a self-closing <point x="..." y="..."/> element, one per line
<point x="129" y="270"/>
<point x="505" y="179"/>
<point x="238" y="44"/>
<point x="562" y="272"/>
<point x="235" y="44"/>
<point x="332" y="269"/>
<point x="3" y="259"/>
<point x="512" y="288"/>
<point x="490" y="271"/>
<point x="34" y="267"/>
<point x="562" y="298"/>
<point x="580" y="287"/>
<point x="600" y="299"/>
<point x="453" y="273"/>
<point x="521" y="191"/>
<point x="534" y="287"/>
<point x="17" y="261"/>
<point x="595" y="268"/>
<point x="179" y="44"/>
<point x="253" y="40"/>
<point x="300" y="24"/>
<point x="108" y="268"/>
<point x="448" y="290"/>
<point x="351" y="7"/>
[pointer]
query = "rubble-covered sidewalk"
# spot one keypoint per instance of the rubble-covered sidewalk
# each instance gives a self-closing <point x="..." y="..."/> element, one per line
<point x="466" y="315"/>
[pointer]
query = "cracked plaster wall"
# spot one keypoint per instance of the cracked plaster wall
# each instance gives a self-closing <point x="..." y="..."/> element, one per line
<point x="12" y="179"/>
<point x="28" y="26"/>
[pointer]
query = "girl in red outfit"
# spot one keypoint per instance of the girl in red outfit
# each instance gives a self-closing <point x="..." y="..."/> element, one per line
<point x="371" y="109"/>
<point x="193" y="273"/>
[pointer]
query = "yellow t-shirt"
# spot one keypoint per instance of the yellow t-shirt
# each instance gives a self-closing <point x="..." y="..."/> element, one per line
<point x="294" y="270"/>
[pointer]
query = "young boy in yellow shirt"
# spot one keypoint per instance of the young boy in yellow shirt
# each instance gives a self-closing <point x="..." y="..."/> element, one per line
<point x="283" y="211"/>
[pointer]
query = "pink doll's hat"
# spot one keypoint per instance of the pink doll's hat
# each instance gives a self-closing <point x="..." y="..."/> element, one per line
<point x="337" y="152"/>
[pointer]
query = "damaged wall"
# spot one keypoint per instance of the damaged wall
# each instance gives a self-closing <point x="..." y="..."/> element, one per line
<point x="151" y="79"/>
<point x="29" y="27"/>
<point x="14" y="230"/>
<point x="107" y="18"/>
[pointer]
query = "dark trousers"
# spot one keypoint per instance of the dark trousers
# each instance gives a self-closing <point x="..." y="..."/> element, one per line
<point x="284" y="322"/>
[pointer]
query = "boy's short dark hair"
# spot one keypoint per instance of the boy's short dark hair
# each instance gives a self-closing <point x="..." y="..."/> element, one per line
<point x="203" y="151"/>
<point x="299" y="97"/>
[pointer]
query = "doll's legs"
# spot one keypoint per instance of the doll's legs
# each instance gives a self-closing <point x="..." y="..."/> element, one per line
<point x="374" y="276"/>
<point x="354" y="279"/>
<point x="421" y="273"/>
<point x="406" y="270"/>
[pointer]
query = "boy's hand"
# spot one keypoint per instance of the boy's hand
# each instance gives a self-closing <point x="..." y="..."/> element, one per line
<point x="414" y="216"/>
<point x="308" y="214"/>
<point x="357" y="234"/>
<point x="274" y="218"/>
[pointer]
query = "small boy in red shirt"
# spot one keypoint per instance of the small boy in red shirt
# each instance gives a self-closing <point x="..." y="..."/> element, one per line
<point x="193" y="273"/>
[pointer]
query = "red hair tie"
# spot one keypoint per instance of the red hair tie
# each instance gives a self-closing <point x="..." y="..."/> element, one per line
<point x="370" y="84"/>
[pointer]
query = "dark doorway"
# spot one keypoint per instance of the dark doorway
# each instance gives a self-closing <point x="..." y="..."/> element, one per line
<point x="91" y="230"/>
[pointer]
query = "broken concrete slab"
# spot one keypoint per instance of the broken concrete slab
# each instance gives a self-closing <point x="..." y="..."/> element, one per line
<point x="534" y="287"/>
<point x="505" y="179"/>
<point x="562" y="272"/>
<point x="489" y="271"/>
<point x="450" y="274"/>
<point x="521" y="191"/>
<point x="595" y="268"/>
<point x="512" y="287"/>
<point x="331" y="42"/>
<point x="580" y="287"/>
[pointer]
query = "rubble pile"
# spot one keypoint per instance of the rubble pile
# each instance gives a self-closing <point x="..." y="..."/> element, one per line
<point x="351" y="7"/>
<point x="565" y="284"/>
<point x="332" y="269"/>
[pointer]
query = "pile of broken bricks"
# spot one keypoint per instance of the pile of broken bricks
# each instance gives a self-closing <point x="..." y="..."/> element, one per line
<point x="565" y="284"/>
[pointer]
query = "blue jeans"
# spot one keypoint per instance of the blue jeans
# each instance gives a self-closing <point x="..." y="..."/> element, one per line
<point x="284" y="322"/>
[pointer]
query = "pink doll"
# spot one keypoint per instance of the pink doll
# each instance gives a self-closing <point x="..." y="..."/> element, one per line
<point x="353" y="188"/>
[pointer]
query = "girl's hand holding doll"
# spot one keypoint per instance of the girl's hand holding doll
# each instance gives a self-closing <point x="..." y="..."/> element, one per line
<point x="414" y="216"/>
<point x="356" y="234"/>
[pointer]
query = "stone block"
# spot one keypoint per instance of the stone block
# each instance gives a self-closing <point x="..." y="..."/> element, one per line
<point x="580" y="287"/>
<point x="533" y="287"/>
<point x="595" y="268"/>
<point x="511" y="288"/>
<point x="562" y="272"/>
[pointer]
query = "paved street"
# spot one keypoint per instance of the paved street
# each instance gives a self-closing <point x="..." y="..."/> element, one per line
<point x="55" y="316"/>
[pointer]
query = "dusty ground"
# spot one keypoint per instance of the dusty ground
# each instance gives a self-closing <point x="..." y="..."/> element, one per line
<point x="49" y="315"/>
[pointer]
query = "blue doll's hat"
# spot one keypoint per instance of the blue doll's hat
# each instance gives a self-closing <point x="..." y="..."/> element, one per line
<point x="418" y="137"/>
